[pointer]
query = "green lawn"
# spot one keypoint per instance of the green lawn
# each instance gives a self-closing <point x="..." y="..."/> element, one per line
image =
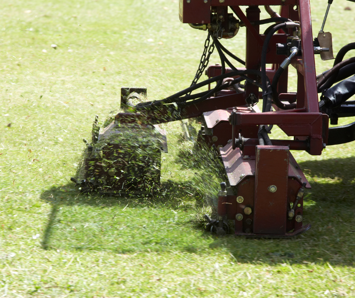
<point x="55" y="242"/>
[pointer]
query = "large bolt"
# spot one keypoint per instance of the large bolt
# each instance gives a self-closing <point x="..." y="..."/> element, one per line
<point x="240" y="199"/>
<point x="248" y="210"/>
<point x="272" y="188"/>
<point x="299" y="218"/>
<point x="239" y="217"/>
<point x="291" y="213"/>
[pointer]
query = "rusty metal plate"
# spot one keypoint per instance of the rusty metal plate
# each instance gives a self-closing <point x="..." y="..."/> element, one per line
<point x="325" y="41"/>
<point x="236" y="167"/>
<point x="214" y="117"/>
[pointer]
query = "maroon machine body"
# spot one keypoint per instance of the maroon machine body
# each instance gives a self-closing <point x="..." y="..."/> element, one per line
<point x="263" y="196"/>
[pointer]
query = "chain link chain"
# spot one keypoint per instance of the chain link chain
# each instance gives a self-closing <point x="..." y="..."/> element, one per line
<point x="205" y="58"/>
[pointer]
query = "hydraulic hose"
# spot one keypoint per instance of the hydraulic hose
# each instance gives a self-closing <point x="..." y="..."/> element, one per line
<point x="224" y="58"/>
<point x="332" y="79"/>
<point x="275" y="80"/>
<point x="343" y="51"/>
<point x="263" y="57"/>
<point x="328" y="79"/>
<point x="343" y="73"/>
<point x="229" y="53"/>
<point x="173" y="97"/>
<point x="263" y="136"/>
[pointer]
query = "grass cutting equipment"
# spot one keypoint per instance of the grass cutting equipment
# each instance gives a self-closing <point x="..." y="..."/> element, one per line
<point x="263" y="195"/>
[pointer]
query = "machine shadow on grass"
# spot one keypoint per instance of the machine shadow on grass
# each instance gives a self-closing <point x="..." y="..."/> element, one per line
<point x="329" y="207"/>
<point x="171" y="196"/>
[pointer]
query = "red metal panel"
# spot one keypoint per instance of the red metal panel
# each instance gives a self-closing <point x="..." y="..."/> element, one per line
<point x="194" y="11"/>
<point x="308" y="57"/>
<point x="270" y="208"/>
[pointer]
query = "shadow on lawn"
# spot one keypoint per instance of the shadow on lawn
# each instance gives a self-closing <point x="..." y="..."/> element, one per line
<point x="172" y="196"/>
<point x="329" y="208"/>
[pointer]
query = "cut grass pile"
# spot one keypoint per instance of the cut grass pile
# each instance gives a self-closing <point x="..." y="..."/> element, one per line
<point x="55" y="242"/>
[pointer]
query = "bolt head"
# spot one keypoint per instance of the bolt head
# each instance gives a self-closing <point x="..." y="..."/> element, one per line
<point x="221" y="1"/>
<point x="299" y="218"/>
<point x="248" y="210"/>
<point x="214" y="139"/>
<point x="272" y="188"/>
<point x="240" y="199"/>
<point x="239" y="217"/>
<point x="291" y="213"/>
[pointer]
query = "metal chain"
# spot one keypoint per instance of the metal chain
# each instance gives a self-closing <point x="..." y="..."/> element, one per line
<point x="205" y="58"/>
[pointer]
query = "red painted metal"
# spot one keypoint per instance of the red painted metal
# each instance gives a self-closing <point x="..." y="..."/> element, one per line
<point x="308" y="57"/>
<point x="271" y="172"/>
<point x="252" y="30"/>
<point x="194" y="12"/>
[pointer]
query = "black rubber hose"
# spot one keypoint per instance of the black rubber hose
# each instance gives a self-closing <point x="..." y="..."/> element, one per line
<point x="323" y="83"/>
<point x="171" y="98"/>
<point x="224" y="58"/>
<point x="343" y="51"/>
<point x="192" y="96"/>
<point x="209" y="93"/>
<point x="268" y="29"/>
<point x="263" y="136"/>
<point x="230" y="54"/>
<point x="271" y="20"/>
<point x="275" y="95"/>
<point x="247" y="71"/>
<point x="263" y="61"/>
<point x="343" y="73"/>
<point x="339" y="58"/>
<point x="219" y="86"/>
